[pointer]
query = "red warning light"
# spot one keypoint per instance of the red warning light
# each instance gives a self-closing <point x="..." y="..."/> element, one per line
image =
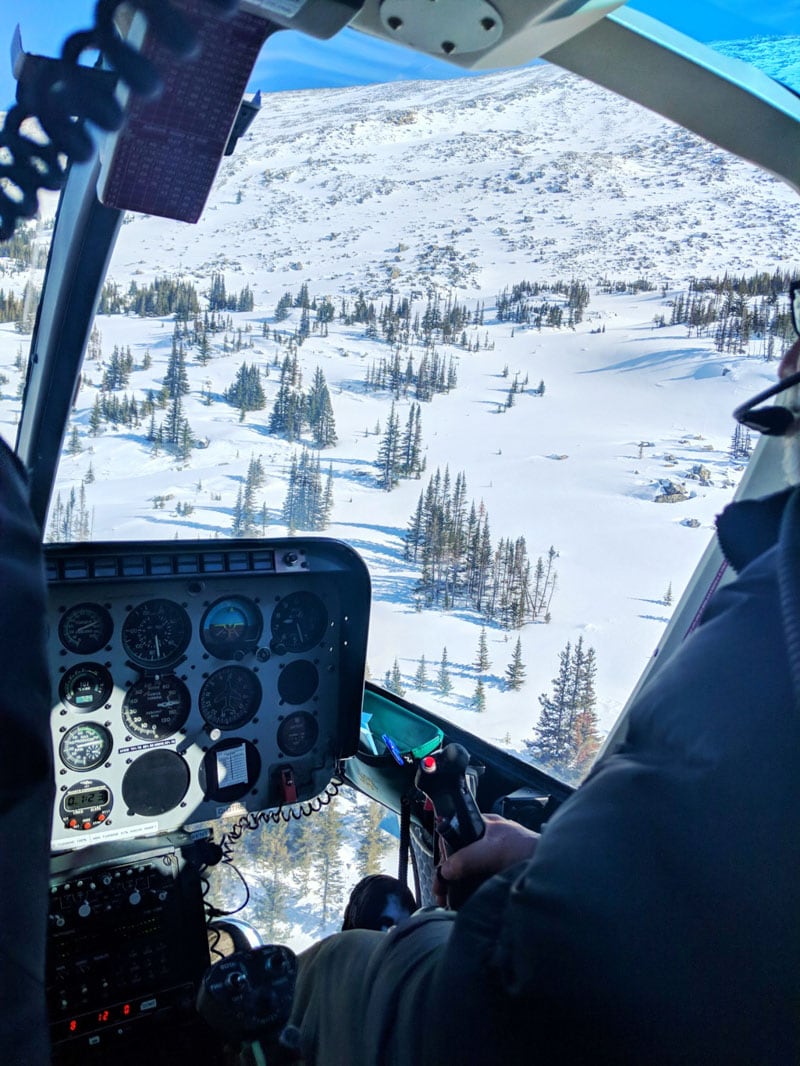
<point x="126" y="1009"/>
<point x="73" y="1025"/>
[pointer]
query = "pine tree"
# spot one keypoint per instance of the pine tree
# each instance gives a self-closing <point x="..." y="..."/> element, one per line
<point x="515" y="673"/>
<point x="74" y="447"/>
<point x="388" y="461"/>
<point x="667" y="599"/>
<point x="319" y="412"/>
<point x="444" y="683"/>
<point x="482" y="662"/>
<point x="479" y="697"/>
<point x="566" y="737"/>
<point x="421" y="676"/>
<point x="397" y="679"/>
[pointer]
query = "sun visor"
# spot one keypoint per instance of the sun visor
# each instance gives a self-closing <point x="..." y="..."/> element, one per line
<point x="481" y="34"/>
<point x="164" y="159"/>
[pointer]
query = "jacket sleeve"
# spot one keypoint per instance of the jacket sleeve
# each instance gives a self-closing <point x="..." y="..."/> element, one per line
<point x="26" y="775"/>
<point x="657" y="921"/>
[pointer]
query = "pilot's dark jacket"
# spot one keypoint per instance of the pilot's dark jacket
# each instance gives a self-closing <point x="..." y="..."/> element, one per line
<point x="26" y="776"/>
<point x="659" y="920"/>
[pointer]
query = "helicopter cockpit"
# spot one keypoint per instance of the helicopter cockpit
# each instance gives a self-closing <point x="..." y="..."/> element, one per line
<point x="213" y="615"/>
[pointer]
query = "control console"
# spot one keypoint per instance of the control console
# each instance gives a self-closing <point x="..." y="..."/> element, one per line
<point x="198" y="682"/>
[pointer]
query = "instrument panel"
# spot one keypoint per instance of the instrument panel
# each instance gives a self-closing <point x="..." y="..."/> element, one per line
<point x="192" y="685"/>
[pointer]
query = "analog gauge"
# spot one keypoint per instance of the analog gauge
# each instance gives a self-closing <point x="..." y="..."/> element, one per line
<point x="230" y="697"/>
<point x="86" y="686"/>
<point x="231" y="627"/>
<point x="299" y="621"/>
<point x="156" y="707"/>
<point x="85" y="747"/>
<point x="298" y="734"/>
<point x="156" y="633"/>
<point x="85" y="628"/>
<point x="297" y="681"/>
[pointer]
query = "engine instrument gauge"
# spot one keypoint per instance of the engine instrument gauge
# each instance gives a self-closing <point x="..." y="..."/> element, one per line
<point x="298" y="623"/>
<point x="230" y="628"/>
<point x="156" y="707"/>
<point x="298" y="734"/>
<point x="85" y="746"/>
<point x="85" y="628"/>
<point x="86" y="686"/>
<point x="230" y="697"/>
<point x="156" y="633"/>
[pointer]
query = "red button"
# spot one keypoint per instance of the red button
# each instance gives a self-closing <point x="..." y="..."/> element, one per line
<point x="429" y="764"/>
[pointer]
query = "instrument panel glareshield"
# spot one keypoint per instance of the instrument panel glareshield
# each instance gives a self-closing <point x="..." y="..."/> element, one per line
<point x="190" y="685"/>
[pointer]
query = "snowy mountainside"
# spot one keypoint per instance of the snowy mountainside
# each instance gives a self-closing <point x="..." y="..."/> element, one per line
<point x="465" y="186"/>
<point x="532" y="171"/>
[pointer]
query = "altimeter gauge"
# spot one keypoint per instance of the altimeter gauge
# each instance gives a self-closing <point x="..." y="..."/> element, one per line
<point x="156" y="633"/>
<point x="298" y="623"/>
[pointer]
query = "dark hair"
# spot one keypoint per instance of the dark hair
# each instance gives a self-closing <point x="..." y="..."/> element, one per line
<point x="365" y="908"/>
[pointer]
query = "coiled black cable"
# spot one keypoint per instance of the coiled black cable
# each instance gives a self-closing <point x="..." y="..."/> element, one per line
<point x="255" y="819"/>
<point x="63" y="96"/>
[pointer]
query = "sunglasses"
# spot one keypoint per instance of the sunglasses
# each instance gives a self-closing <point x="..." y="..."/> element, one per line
<point x="773" y="421"/>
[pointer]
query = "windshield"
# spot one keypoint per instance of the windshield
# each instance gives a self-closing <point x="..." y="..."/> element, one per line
<point x="488" y="330"/>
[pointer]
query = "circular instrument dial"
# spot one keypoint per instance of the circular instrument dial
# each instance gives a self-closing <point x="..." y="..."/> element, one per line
<point x="298" y="623"/>
<point x="86" y="686"/>
<point x="156" y="633"/>
<point x="298" y="734"/>
<point x="230" y="697"/>
<point x="85" y="628"/>
<point x="156" y="707"/>
<point x="231" y="627"/>
<point x="85" y="747"/>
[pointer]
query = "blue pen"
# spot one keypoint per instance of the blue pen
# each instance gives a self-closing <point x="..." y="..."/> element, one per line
<point x="393" y="749"/>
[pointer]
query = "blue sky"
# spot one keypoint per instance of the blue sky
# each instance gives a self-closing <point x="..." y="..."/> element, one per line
<point x="291" y="61"/>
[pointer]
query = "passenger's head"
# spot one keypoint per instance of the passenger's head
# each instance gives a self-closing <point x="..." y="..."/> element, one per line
<point x="378" y="902"/>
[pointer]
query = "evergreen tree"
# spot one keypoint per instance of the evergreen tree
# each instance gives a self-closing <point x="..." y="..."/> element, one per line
<point x="327" y="866"/>
<point x="388" y="461"/>
<point x="421" y="676"/>
<point x="373" y="843"/>
<point x="482" y="662"/>
<point x="319" y="412"/>
<point x="479" y="697"/>
<point x="667" y="600"/>
<point x="176" y="379"/>
<point x="74" y="447"/>
<point x="444" y="683"/>
<point x="566" y="737"/>
<point x="515" y="673"/>
<point x="246" y="392"/>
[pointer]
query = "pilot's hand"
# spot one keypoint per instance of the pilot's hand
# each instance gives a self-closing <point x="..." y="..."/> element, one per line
<point x="504" y="844"/>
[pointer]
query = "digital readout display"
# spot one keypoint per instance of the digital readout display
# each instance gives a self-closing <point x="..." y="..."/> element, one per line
<point x="95" y="797"/>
